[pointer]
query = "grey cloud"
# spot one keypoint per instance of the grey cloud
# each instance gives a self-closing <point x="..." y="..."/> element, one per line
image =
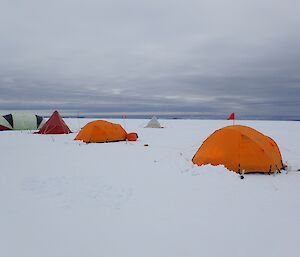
<point x="211" y="57"/>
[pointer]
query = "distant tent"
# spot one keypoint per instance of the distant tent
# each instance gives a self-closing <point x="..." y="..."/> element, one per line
<point x="101" y="131"/>
<point x="20" y="121"/>
<point x="153" y="123"/>
<point x="240" y="149"/>
<point x="55" y="125"/>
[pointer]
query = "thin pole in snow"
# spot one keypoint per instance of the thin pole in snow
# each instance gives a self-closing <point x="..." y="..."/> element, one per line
<point x="78" y="123"/>
<point x="124" y="120"/>
<point x="124" y="124"/>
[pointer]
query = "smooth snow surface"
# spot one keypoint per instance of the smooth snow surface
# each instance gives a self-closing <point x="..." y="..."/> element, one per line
<point x="64" y="198"/>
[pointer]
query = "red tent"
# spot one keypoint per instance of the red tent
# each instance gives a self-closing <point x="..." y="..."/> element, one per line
<point x="55" y="125"/>
<point x="4" y="128"/>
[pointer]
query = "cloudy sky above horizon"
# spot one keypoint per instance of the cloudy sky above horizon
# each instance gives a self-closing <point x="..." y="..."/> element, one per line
<point x="207" y="56"/>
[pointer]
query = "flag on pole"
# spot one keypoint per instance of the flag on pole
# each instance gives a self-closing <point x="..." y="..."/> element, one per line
<point x="231" y="116"/>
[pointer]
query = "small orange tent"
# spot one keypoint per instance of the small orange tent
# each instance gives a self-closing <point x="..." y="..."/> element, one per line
<point x="101" y="131"/>
<point x="240" y="149"/>
<point x="132" y="136"/>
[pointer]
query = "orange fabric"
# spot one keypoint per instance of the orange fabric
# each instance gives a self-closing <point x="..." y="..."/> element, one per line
<point x="100" y="131"/>
<point x="240" y="148"/>
<point x="132" y="136"/>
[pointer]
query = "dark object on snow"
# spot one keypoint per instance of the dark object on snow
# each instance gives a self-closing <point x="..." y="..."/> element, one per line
<point x="242" y="177"/>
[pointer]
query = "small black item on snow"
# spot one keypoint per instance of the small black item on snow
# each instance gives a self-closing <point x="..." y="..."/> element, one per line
<point x="243" y="172"/>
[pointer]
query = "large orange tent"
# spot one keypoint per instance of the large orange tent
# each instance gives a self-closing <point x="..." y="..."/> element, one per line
<point x="101" y="131"/>
<point x="241" y="149"/>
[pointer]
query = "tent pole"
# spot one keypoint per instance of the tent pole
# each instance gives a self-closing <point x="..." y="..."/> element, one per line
<point x="78" y="123"/>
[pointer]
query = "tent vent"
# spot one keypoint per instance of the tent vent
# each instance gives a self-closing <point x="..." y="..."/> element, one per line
<point x="9" y="119"/>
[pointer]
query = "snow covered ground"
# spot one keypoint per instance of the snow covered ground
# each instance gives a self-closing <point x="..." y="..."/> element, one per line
<point x="63" y="198"/>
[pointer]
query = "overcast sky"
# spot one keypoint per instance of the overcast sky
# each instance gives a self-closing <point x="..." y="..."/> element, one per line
<point x="206" y="56"/>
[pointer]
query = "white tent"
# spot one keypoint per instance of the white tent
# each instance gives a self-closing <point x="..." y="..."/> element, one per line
<point x="153" y="123"/>
<point x="21" y="121"/>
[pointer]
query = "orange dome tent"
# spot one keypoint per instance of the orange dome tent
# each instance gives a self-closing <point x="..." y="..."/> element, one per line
<point x="240" y="149"/>
<point x="101" y="131"/>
